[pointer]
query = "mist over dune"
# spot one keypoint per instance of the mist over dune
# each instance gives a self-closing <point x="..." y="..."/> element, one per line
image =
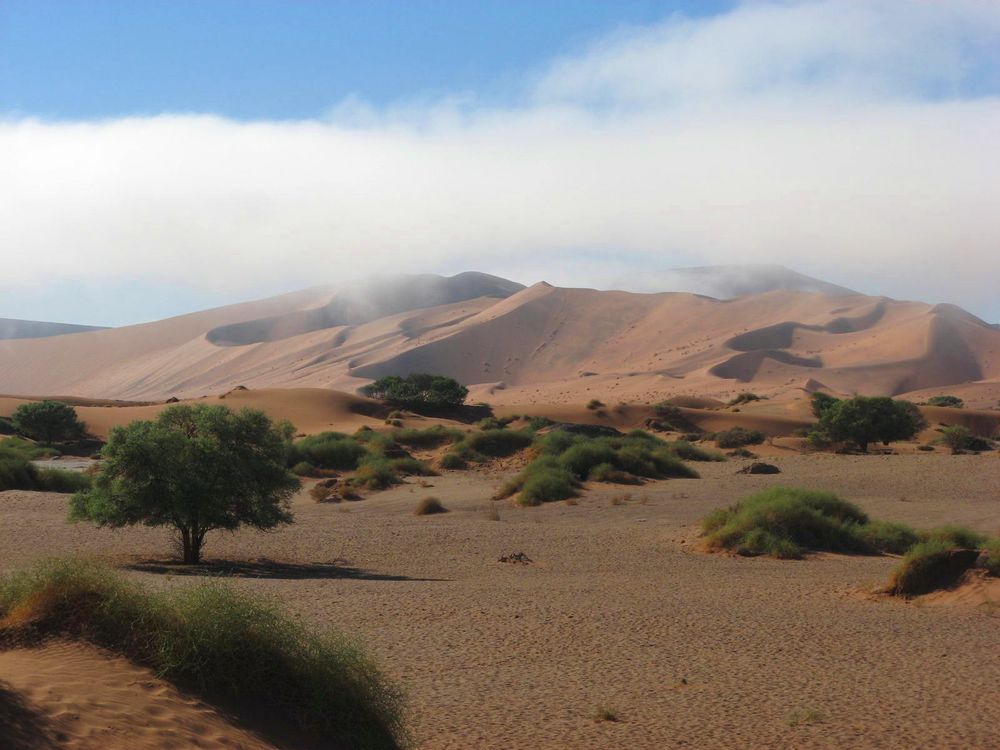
<point x="11" y="328"/>
<point x="515" y="344"/>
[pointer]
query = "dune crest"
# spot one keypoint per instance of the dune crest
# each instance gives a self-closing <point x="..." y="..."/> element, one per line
<point x="515" y="344"/>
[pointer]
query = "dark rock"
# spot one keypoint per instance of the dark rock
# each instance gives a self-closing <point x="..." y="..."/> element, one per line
<point x="759" y="467"/>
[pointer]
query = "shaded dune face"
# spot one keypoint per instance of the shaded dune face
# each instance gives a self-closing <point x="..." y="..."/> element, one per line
<point x="33" y="329"/>
<point x="529" y="345"/>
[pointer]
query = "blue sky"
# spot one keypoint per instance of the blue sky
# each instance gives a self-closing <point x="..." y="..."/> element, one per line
<point x="249" y="59"/>
<point x="161" y="157"/>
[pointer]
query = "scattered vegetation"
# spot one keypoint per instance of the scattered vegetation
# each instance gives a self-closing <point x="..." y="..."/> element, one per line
<point x="494" y="423"/>
<point x="375" y="474"/>
<point x="595" y="404"/>
<point x="419" y="390"/>
<point x="47" y="421"/>
<point x="195" y="469"/>
<point x="221" y="644"/>
<point x="452" y="461"/>
<point x="744" y="398"/>
<point x="498" y="443"/>
<point x="737" y="437"/>
<point x="566" y="459"/>
<point x="953" y="401"/>
<point x="957" y="438"/>
<point x="327" y="450"/>
<point x="429" y="506"/>
<point x="17" y="472"/>
<point x="539" y="423"/>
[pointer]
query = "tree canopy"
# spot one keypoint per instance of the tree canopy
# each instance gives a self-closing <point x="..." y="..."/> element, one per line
<point x="417" y="390"/>
<point x="863" y="420"/>
<point x="196" y="469"/>
<point x="47" y="421"/>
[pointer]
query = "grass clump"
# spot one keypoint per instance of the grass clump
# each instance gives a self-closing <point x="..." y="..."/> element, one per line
<point x="328" y="450"/>
<point x="952" y="401"/>
<point x="375" y="474"/>
<point x="543" y="480"/>
<point x="224" y="645"/>
<point x="452" y="461"/>
<point x="409" y="466"/>
<point x="432" y="437"/>
<point x="605" y="713"/>
<point x="744" y="398"/>
<point x="887" y="536"/>
<point x="691" y="452"/>
<point x="595" y="404"/>
<point x="539" y="423"/>
<point x="784" y="523"/>
<point x="738" y="437"/>
<point x="931" y="565"/>
<point x="608" y="473"/>
<point x="429" y="506"/>
<point x="497" y="443"/>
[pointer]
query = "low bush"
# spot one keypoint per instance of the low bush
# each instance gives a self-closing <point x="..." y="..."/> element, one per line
<point x="432" y="437"/>
<point x="784" y="523"/>
<point x="303" y="469"/>
<point x="954" y="536"/>
<point x="452" y="461"/>
<point x="738" y="437"/>
<point x="539" y="423"/>
<point x="743" y="398"/>
<point x="494" y="423"/>
<point x="429" y="506"/>
<point x="691" y="452"/>
<point x="952" y="401"/>
<point x="595" y="404"/>
<point x="328" y="450"/>
<point x="957" y="438"/>
<point x="375" y="474"/>
<point x="608" y="473"/>
<point x="19" y="473"/>
<point x="497" y="443"/>
<point x="887" y="536"/>
<point x="930" y="565"/>
<point x="546" y="482"/>
<point x="217" y="642"/>
<point x="411" y="467"/>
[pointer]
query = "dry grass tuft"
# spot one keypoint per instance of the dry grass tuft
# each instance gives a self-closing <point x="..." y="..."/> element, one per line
<point x="605" y="713"/>
<point x="429" y="506"/>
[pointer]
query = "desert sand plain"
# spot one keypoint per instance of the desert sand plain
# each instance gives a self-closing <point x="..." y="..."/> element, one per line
<point x="618" y="608"/>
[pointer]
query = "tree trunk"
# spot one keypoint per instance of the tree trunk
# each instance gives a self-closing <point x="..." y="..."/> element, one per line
<point x="191" y="546"/>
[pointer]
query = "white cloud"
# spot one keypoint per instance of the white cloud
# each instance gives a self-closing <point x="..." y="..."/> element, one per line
<point x="850" y="139"/>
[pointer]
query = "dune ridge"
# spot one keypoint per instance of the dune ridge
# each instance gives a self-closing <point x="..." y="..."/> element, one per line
<point x="537" y="344"/>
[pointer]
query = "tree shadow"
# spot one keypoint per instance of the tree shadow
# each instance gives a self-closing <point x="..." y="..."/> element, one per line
<point x="267" y="569"/>
<point x="22" y="727"/>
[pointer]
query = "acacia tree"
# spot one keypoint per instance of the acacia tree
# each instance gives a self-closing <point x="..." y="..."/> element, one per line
<point x="196" y="469"/>
<point x="47" y="421"/>
<point x="868" y="419"/>
<point x="418" y="389"/>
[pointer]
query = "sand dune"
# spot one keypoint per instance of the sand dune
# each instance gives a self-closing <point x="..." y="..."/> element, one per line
<point x="513" y="345"/>
<point x="75" y="697"/>
<point x="33" y="329"/>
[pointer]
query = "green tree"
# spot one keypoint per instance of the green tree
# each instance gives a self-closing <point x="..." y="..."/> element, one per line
<point x="417" y="390"/>
<point x="863" y="420"/>
<point x="821" y="402"/>
<point x="47" y="421"/>
<point x="196" y="469"/>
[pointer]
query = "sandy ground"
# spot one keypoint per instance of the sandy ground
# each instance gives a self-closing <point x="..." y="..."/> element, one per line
<point x="617" y="608"/>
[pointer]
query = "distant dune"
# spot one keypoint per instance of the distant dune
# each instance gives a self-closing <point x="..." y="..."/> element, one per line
<point x="729" y="282"/>
<point x="516" y="345"/>
<point x="34" y="329"/>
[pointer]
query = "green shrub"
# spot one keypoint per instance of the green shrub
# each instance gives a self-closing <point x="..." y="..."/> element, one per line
<point x="328" y="450"/>
<point x="411" y="466"/>
<point x="608" y="473"/>
<point x="497" y="443"/>
<point x="431" y="437"/>
<point x="221" y="644"/>
<point x="539" y="423"/>
<point x="580" y="458"/>
<point x="784" y="522"/>
<point x="690" y="452"/>
<point x="959" y="537"/>
<point x="452" y="461"/>
<point x="886" y="536"/>
<point x="952" y="401"/>
<point x="303" y="469"/>
<point x="19" y="447"/>
<point x="546" y="482"/>
<point x="63" y="480"/>
<point x="375" y="474"/>
<point x="557" y="442"/>
<point x="744" y="398"/>
<point x="930" y="565"/>
<point x="494" y="423"/>
<point x="957" y="438"/>
<point x="737" y="437"/>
